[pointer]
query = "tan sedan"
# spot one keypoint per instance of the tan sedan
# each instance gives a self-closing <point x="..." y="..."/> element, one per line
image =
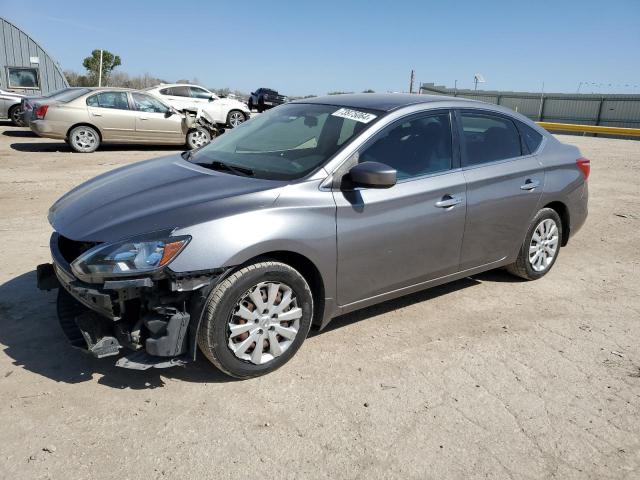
<point x="85" y="119"/>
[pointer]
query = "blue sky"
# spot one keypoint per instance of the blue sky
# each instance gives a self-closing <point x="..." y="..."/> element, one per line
<point x="302" y="47"/>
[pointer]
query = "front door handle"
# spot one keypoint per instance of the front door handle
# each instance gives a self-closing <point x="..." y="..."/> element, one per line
<point x="95" y="114"/>
<point x="448" y="201"/>
<point x="143" y="118"/>
<point x="530" y="184"/>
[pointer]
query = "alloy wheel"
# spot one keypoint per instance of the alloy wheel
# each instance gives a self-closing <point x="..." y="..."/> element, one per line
<point x="264" y="322"/>
<point x="198" y="138"/>
<point x="84" y="140"/>
<point x="236" y="118"/>
<point x="543" y="247"/>
<point x="16" y="116"/>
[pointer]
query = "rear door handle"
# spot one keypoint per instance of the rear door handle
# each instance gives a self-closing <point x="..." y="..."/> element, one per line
<point x="96" y="114"/>
<point x="530" y="184"/>
<point x="448" y="201"/>
<point x="143" y="118"/>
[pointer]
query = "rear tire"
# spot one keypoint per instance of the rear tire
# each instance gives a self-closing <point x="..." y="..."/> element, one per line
<point x="540" y="247"/>
<point x="231" y="305"/>
<point x="84" y="139"/>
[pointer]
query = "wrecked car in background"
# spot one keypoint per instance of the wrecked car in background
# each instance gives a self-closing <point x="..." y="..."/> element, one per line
<point x="87" y="118"/>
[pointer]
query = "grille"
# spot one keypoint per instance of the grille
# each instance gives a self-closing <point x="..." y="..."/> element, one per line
<point x="71" y="249"/>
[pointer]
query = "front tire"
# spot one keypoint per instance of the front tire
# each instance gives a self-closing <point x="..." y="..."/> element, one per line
<point x="198" y="137"/>
<point x="235" y="118"/>
<point x="15" y="115"/>
<point x="540" y="247"/>
<point x="84" y="139"/>
<point x="256" y="319"/>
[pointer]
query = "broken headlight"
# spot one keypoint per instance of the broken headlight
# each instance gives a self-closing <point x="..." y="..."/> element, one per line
<point x="128" y="257"/>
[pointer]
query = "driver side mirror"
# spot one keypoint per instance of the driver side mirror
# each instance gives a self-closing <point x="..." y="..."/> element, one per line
<point x="212" y="98"/>
<point x="372" y="175"/>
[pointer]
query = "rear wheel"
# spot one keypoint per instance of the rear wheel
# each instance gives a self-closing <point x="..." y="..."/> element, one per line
<point x="198" y="137"/>
<point x="541" y="246"/>
<point x="84" y="139"/>
<point x="256" y="319"/>
<point x="15" y="115"/>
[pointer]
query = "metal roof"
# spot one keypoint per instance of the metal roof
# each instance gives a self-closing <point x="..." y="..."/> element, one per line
<point x="379" y="101"/>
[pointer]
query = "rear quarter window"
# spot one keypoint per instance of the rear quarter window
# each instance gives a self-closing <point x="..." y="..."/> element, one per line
<point x="531" y="138"/>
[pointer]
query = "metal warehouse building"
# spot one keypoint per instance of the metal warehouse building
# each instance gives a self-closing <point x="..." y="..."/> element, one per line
<point x="25" y="67"/>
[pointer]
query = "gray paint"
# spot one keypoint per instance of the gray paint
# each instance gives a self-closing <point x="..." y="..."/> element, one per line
<point x="16" y="50"/>
<point x="368" y="245"/>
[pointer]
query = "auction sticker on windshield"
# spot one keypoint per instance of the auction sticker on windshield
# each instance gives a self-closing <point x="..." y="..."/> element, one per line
<point x="362" y="117"/>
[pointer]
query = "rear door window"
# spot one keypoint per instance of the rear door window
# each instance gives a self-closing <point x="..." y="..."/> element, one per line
<point x="182" y="91"/>
<point x="488" y="138"/>
<point x="117" y="100"/>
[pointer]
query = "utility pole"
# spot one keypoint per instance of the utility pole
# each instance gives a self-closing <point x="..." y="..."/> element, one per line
<point x="100" y="71"/>
<point x="411" y="81"/>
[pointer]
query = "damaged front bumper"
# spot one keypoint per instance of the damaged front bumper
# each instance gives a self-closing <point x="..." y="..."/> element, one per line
<point x="155" y="318"/>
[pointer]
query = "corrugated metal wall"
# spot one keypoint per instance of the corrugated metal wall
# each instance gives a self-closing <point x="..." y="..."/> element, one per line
<point x="586" y="109"/>
<point x="16" y="50"/>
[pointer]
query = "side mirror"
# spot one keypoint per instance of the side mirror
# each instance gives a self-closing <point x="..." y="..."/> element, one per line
<point x="372" y="175"/>
<point x="168" y="113"/>
<point x="212" y="98"/>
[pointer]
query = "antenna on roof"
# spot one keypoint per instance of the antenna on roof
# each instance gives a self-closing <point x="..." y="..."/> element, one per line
<point x="478" y="78"/>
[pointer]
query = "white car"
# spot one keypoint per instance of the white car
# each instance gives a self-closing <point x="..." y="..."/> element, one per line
<point x="10" y="106"/>
<point x="224" y="111"/>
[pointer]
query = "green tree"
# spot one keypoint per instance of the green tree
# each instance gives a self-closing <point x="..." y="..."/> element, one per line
<point x="92" y="64"/>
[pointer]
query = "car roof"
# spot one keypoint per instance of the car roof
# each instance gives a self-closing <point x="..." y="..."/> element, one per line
<point x="167" y="85"/>
<point x="380" y="101"/>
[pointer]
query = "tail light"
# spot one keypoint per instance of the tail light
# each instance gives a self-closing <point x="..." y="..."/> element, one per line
<point x="41" y="111"/>
<point x="584" y="164"/>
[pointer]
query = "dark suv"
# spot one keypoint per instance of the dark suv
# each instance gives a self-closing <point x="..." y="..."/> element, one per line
<point x="264" y="98"/>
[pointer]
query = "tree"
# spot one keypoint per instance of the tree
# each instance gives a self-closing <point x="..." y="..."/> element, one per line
<point x="92" y="64"/>
<point x="368" y="90"/>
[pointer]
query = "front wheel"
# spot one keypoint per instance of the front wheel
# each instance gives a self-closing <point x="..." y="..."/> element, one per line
<point x="256" y="319"/>
<point x="198" y="137"/>
<point x="235" y="118"/>
<point x="541" y="246"/>
<point x="84" y="139"/>
<point x="15" y="115"/>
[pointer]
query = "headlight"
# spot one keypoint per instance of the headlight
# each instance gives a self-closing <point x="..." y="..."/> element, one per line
<point x="126" y="258"/>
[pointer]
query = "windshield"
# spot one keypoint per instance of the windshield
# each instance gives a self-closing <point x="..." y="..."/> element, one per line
<point x="70" y="94"/>
<point x="287" y="142"/>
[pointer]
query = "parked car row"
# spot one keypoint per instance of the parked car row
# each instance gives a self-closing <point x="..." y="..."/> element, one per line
<point x="85" y="118"/>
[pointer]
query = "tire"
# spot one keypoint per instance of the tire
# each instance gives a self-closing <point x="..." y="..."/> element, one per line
<point x="250" y="105"/>
<point x="261" y="106"/>
<point x="235" y="118"/>
<point x="538" y="255"/>
<point x="232" y="296"/>
<point x="198" y="137"/>
<point x="84" y="139"/>
<point x="15" y="115"/>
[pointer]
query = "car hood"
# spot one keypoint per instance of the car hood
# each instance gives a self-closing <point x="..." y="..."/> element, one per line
<point x="155" y="195"/>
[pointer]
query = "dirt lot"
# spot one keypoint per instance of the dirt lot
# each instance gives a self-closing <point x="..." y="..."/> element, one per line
<point x="488" y="377"/>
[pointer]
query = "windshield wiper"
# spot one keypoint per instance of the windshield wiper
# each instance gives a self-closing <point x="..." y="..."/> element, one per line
<point x="218" y="165"/>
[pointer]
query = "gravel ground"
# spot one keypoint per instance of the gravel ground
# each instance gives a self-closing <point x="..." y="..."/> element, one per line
<point x="488" y="377"/>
